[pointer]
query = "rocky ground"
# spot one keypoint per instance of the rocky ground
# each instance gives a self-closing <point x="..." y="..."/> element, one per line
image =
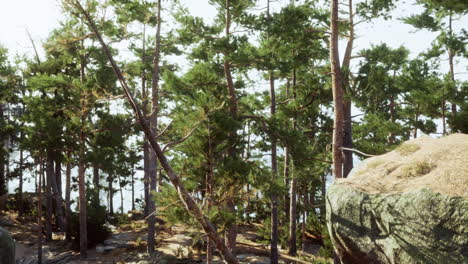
<point x="127" y="244"/>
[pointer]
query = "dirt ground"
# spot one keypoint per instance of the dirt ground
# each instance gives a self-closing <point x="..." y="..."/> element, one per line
<point x="127" y="244"/>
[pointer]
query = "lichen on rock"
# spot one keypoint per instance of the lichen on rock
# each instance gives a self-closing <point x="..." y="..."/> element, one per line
<point x="406" y="206"/>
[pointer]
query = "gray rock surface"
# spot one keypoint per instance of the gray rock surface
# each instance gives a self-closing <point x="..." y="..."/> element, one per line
<point x="410" y="219"/>
<point x="7" y="247"/>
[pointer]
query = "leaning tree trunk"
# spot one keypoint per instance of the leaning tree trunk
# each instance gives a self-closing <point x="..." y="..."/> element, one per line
<point x="175" y="179"/>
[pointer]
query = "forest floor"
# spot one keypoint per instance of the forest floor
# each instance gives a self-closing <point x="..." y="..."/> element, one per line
<point x="127" y="244"/>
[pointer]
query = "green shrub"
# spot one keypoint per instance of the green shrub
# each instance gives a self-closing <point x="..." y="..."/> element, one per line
<point x="96" y="218"/>
<point x="318" y="227"/>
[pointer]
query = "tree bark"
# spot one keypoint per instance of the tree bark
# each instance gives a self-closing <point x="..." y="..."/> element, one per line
<point x="231" y="230"/>
<point x="274" y="176"/>
<point x="337" y="93"/>
<point x="184" y="195"/>
<point x="133" y="189"/>
<point x="49" y="176"/>
<point x="39" y="213"/>
<point x="3" y="187"/>
<point x="292" y="217"/>
<point x="97" y="187"/>
<point x="209" y="192"/>
<point x="292" y="187"/>
<point x="82" y="198"/>
<point x="146" y="153"/>
<point x="451" y="57"/>
<point x="82" y="171"/>
<point x="110" y="181"/>
<point x="67" y="197"/>
<point x="154" y="127"/>
<point x="20" y="187"/>
<point x="59" y="216"/>
<point x="346" y="72"/>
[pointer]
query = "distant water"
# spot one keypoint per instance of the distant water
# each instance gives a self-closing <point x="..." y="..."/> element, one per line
<point x="29" y="186"/>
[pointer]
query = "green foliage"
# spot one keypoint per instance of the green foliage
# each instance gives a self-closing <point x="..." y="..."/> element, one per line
<point x="318" y="227"/>
<point x="95" y="224"/>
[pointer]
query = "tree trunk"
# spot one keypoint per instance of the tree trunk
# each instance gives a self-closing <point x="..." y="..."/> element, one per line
<point x="154" y="130"/>
<point x="231" y="229"/>
<point x="304" y="213"/>
<point x="39" y="213"/>
<point x="146" y="176"/>
<point x="391" y="139"/>
<point x="121" y="196"/>
<point x="292" y="187"/>
<point x="67" y="197"/>
<point x="146" y="153"/>
<point x="346" y="76"/>
<point x="337" y="93"/>
<point x="49" y="175"/>
<point x="292" y="217"/>
<point x="20" y="187"/>
<point x="274" y="177"/>
<point x="286" y="168"/>
<point x="209" y="192"/>
<point x="3" y="187"/>
<point x="58" y="201"/>
<point x="82" y="171"/>
<point x="444" y="127"/>
<point x="82" y="198"/>
<point x="451" y="57"/>
<point x="415" y="130"/>
<point x="97" y="188"/>
<point x="133" y="189"/>
<point x="184" y="195"/>
<point x="110" y="181"/>
<point x="324" y="189"/>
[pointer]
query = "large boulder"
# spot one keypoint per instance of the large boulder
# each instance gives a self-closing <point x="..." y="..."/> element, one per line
<point x="407" y="206"/>
<point x="7" y="248"/>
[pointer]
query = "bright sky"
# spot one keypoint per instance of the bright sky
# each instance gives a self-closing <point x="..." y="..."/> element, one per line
<point x="41" y="16"/>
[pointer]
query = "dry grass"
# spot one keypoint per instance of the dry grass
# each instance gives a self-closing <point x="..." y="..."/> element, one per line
<point x="417" y="169"/>
<point x="437" y="164"/>
<point x="407" y="149"/>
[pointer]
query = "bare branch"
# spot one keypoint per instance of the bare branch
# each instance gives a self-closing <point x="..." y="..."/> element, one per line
<point x="177" y="142"/>
<point x="357" y="151"/>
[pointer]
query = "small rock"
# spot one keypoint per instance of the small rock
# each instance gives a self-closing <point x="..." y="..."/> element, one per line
<point x="100" y="249"/>
<point x="109" y="248"/>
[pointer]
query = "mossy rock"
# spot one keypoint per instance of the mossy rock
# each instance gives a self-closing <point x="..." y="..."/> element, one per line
<point x="404" y="207"/>
<point x="7" y="247"/>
